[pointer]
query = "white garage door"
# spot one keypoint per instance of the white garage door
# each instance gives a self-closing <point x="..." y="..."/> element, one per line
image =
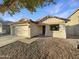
<point x="22" y="31"/>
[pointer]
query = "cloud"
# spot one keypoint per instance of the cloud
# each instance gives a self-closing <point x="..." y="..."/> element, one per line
<point x="65" y="14"/>
<point x="69" y="4"/>
<point x="56" y="8"/>
<point x="62" y="6"/>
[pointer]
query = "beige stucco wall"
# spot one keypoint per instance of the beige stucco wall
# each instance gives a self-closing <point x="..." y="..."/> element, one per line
<point x="74" y="19"/>
<point x="26" y="30"/>
<point x="35" y="29"/>
<point x="72" y="27"/>
<point x="59" y="34"/>
<point x="0" y="28"/>
<point x="53" y="21"/>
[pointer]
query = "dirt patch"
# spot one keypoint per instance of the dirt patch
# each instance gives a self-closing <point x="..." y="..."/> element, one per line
<point x="16" y="50"/>
<point x="52" y="49"/>
<point x="40" y="49"/>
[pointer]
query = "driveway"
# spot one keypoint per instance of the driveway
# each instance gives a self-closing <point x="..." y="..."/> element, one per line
<point x="4" y="40"/>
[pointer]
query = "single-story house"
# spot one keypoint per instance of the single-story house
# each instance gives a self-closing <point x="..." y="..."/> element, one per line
<point x="47" y="26"/>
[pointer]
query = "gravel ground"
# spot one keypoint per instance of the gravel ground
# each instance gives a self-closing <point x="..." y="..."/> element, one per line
<point x="40" y="49"/>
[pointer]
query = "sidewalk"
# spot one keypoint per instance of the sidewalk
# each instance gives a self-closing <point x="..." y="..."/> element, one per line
<point x="5" y="40"/>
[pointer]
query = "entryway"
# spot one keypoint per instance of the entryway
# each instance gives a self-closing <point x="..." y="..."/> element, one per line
<point x="43" y="30"/>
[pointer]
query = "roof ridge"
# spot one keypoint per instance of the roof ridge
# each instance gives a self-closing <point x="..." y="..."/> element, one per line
<point x="50" y="17"/>
<point x="46" y="17"/>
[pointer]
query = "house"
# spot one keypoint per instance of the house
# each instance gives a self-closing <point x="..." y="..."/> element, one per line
<point x="47" y="26"/>
<point x="0" y="28"/>
<point x="72" y="26"/>
<point x="53" y="26"/>
<point x="26" y="28"/>
<point x="6" y="27"/>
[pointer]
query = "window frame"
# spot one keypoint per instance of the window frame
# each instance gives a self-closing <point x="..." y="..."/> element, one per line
<point x="54" y="26"/>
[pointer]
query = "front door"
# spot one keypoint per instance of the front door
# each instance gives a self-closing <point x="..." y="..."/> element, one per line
<point x="43" y="32"/>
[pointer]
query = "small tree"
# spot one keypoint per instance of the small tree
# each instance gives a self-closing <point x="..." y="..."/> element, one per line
<point x="15" y="5"/>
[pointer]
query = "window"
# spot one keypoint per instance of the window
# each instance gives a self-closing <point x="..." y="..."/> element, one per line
<point x="54" y="27"/>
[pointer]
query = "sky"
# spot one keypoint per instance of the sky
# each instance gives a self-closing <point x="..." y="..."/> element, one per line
<point x="62" y="8"/>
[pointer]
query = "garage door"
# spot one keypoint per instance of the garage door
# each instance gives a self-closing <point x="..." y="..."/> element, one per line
<point x="22" y="31"/>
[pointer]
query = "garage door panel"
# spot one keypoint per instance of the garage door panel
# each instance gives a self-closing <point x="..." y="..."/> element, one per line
<point x="21" y="30"/>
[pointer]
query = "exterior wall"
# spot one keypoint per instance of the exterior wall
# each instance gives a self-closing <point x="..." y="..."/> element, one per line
<point x="12" y="30"/>
<point x="26" y="30"/>
<point x="48" y="32"/>
<point x="69" y="31"/>
<point x="53" y="21"/>
<point x="6" y="29"/>
<point x="72" y="30"/>
<point x="0" y="28"/>
<point x="72" y="27"/>
<point x="35" y="29"/>
<point x="74" y="19"/>
<point x="22" y="30"/>
<point x="59" y="34"/>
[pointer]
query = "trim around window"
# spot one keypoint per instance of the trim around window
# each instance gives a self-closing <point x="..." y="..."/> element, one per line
<point x="54" y="27"/>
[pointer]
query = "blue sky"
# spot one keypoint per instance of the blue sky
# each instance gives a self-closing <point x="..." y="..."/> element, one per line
<point x="63" y="9"/>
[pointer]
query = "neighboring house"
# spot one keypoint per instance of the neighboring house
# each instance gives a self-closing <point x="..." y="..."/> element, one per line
<point x="1" y="20"/>
<point x="26" y="28"/>
<point x="0" y="28"/>
<point x="72" y="26"/>
<point x="6" y="27"/>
